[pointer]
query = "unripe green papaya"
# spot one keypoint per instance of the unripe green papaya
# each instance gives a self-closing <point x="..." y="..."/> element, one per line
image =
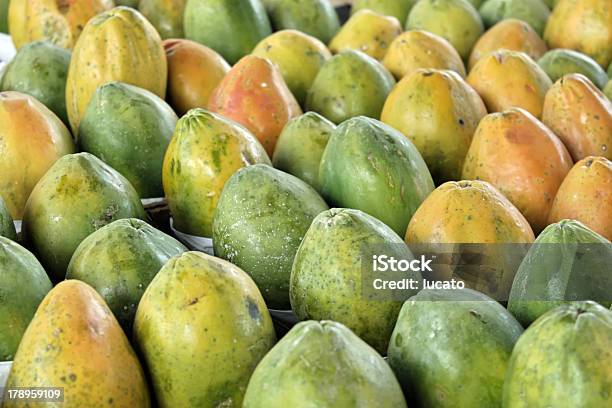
<point x="323" y="364"/>
<point x="24" y="285"/>
<point x="129" y="128"/>
<point x="165" y="15"/>
<point x="128" y="3"/>
<point x="313" y="17"/>
<point x="40" y="69"/>
<point x="7" y="227"/>
<point x="396" y="8"/>
<point x="350" y="84"/>
<point x="533" y="12"/>
<point x="78" y="195"/>
<point x="559" y="62"/>
<point x="608" y="90"/>
<point x="4" y="5"/>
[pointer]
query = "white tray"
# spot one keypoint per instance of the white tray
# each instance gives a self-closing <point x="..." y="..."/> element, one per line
<point x="193" y="242"/>
<point x="5" y="368"/>
<point x="7" y="49"/>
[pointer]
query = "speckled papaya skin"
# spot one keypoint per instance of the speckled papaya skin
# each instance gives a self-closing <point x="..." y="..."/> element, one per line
<point x="47" y="141"/>
<point x="7" y="227"/>
<point x="439" y="112"/>
<point x="205" y="150"/>
<point x="24" y="285"/>
<point x="313" y="17"/>
<point x="254" y="94"/>
<point x="165" y="15"/>
<point x="202" y="328"/>
<point x="396" y="8"/>
<point x="581" y="115"/>
<point x="323" y="364"/>
<point x="60" y="22"/>
<point x="502" y="153"/>
<point x="74" y="342"/>
<point x="77" y="196"/>
<point x="442" y="334"/>
<point x="586" y="196"/>
<point x="563" y="360"/>
<point x="117" y="45"/>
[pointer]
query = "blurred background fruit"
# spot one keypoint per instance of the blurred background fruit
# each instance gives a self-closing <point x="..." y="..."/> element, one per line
<point x="165" y="15"/>
<point x="533" y="12"/>
<point x="313" y="17"/>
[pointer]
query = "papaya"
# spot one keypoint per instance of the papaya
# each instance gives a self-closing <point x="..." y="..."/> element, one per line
<point x="326" y="279"/>
<point x="562" y="360"/>
<point x="75" y="343"/>
<point x="230" y="27"/>
<point x="510" y="34"/>
<point x="455" y="20"/>
<point x="313" y="17"/>
<point x="32" y="138"/>
<point x="350" y="84"/>
<point x="254" y="94"/>
<point x="194" y="71"/>
<point x="322" y="364"/>
<point x="442" y="334"/>
<point x="260" y="221"/>
<point x="533" y="12"/>
<point x="299" y="58"/>
<point x="207" y="337"/>
<point x="586" y="196"/>
<point x="119" y="261"/>
<point x="4" y="7"/>
<point x="509" y="79"/>
<point x="367" y="31"/>
<point x="165" y="15"/>
<point x="128" y="3"/>
<point x="565" y="263"/>
<point x="78" y="195"/>
<point x="584" y="26"/>
<point x="419" y="49"/>
<point x="557" y="63"/>
<point x="610" y="71"/>
<point x="502" y="154"/>
<point x="117" y="45"/>
<point x="372" y="167"/>
<point x="7" y="227"/>
<point x="581" y="115"/>
<point x="24" y="285"/>
<point x="60" y="22"/>
<point x="129" y="128"/>
<point x="205" y="150"/>
<point x="608" y="90"/>
<point x="395" y="8"/>
<point x="40" y="69"/>
<point x="439" y="112"/>
<point x="300" y="147"/>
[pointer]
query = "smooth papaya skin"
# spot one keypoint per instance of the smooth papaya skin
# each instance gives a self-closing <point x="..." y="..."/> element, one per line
<point x="4" y="7"/>
<point x="85" y="352"/>
<point x="117" y="45"/>
<point x="507" y="79"/>
<point x="299" y="58"/>
<point x="60" y="22"/>
<point x="439" y="112"/>
<point x="416" y="49"/>
<point x="586" y="196"/>
<point x="502" y="153"/>
<point x="581" y="115"/>
<point x="313" y="17"/>
<point x="395" y="8"/>
<point x="165" y="15"/>
<point x="367" y="31"/>
<point x="7" y="227"/>
<point x="254" y="94"/>
<point x="533" y="12"/>
<point x="584" y="26"/>
<point x="31" y="135"/>
<point x="510" y="34"/>
<point x="558" y="63"/>
<point x="205" y="150"/>
<point x="608" y="90"/>
<point x="322" y="364"/>
<point x="207" y="337"/>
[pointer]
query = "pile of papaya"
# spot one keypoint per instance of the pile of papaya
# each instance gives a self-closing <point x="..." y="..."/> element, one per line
<point x="299" y="142"/>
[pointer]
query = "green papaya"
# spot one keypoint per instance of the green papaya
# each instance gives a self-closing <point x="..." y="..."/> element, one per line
<point x="129" y="128"/>
<point x="325" y="365"/>
<point x="313" y="17"/>
<point x="128" y="3"/>
<point x="259" y="223"/>
<point x="4" y="6"/>
<point x="230" y="27"/>
<point x="442" y="334"/>
<point x="78" y="195"/>
<point x="119" y="261"/>
<point x="567" y="262"/>
<point x="560" y="62"/>
<point x="24" y="285"/>
<point x="165" y="15"/>
<point x="300" y="146"/>
<point x="608" y="90"/>
<point x="610" y="71"/>
<point x="7" y="227"/>
<point x="40" y="69"/>
<point x="326" y="279"/>
<point x="533" y="12"/>
<point x="350" y="84"/>
<point x="396" y="8"/>
<point x="455" y="20"/>
<point x="563" y="360"/>
<point x="202" y="328"/>
<point x="372" y="167"/>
